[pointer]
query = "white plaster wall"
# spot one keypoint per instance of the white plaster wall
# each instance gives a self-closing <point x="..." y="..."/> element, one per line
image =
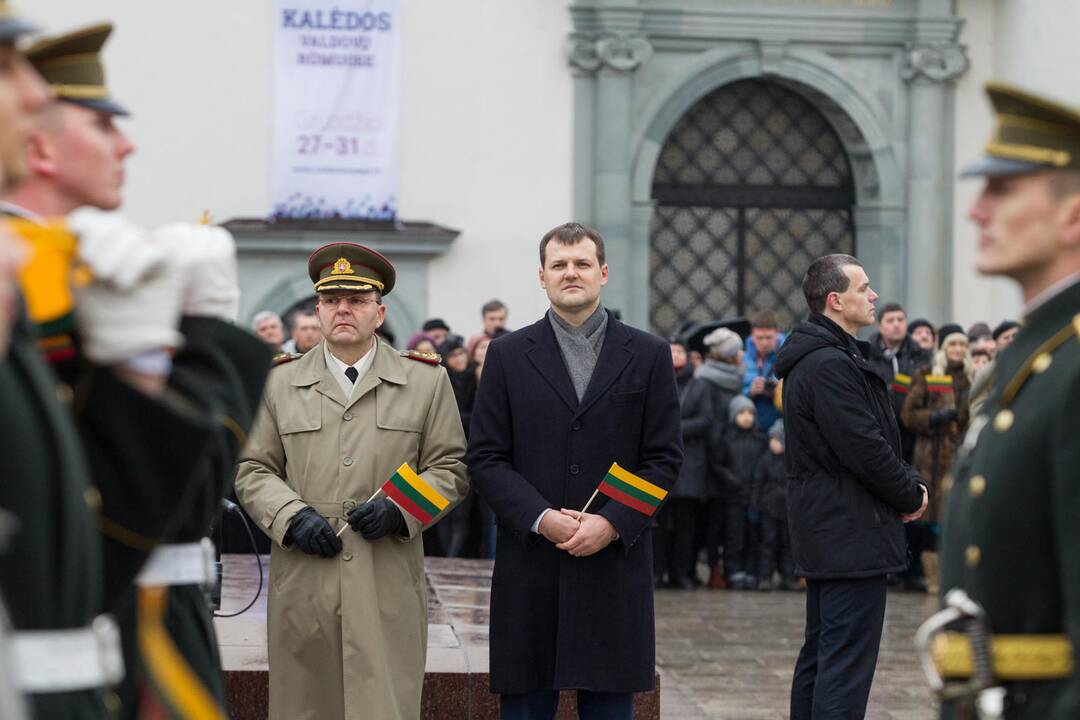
<point x="486" y="140"/>
<point x="1030" y="43"/>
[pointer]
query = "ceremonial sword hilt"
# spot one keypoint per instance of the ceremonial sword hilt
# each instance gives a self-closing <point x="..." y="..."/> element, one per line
<point x="989" y="698"/>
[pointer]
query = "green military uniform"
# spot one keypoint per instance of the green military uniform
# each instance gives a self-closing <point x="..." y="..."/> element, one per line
<point x="347" y="634"/>
<point x="158" y="465"/>
<point x="1011" y="531"/>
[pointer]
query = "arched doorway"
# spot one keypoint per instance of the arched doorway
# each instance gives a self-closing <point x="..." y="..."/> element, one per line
<point x="750" y="186"/>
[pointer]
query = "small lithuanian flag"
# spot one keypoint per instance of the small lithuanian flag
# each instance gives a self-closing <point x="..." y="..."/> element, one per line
<point x="939" y="383"/>
<point x="624" y="486"/>
<point x="412" y="493"/>
<point x="901" y="383"/>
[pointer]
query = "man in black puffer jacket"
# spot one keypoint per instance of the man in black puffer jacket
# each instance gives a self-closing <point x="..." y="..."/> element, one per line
<point x="849" y="490"/>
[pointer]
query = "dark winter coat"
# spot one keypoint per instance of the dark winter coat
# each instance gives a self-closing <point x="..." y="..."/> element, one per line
<point x="744" y="448"/>
<point x="559" y="621"/>
<point x="847" y="483"/>
<point x="935" y="444"/>
<point x="770" y="486"/>
<point x="697" y="426"/>
<point x="724" y="381"/>
<point x="910" y="358"/>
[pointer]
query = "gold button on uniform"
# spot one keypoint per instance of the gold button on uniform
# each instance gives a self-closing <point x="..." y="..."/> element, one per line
<point x="977" y="486"/>
<point x="92" y="498"/>
<point x="946" y="482"/>
<point x="1004" y="420"/>
<point x="972" y="556"/>
<point x="1042" y="362"/>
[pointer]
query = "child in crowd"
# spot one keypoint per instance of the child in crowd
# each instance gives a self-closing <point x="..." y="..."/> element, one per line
<point x="770" y="496"/>
<point x="745" y="446"/>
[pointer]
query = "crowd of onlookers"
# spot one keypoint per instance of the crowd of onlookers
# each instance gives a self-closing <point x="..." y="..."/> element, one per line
<point x="728" y="509"/>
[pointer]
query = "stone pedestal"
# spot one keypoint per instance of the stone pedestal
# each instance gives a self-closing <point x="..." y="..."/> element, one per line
<point x="456" y="681"/>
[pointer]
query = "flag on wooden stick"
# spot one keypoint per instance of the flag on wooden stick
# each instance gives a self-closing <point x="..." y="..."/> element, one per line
<point x="414" y="494"/>
<point x="627" y="488"/>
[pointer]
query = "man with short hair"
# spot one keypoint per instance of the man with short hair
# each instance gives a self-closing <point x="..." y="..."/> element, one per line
<point x="896" y="357"/>
<point x="759" y="381"/>
<point x="494" y="315"/>
<point x="347" y="607"/>
<point x="849" y="490"/>
<point x="267" y="325"/>
<point x="306" y="330"/>
<point x="1010" y="530"/>
<point x="559" y="402"/>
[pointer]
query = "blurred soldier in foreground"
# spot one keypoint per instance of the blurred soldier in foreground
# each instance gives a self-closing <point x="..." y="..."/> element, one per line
<point x="161" y="387"/>
<point x="1010" y="572"/>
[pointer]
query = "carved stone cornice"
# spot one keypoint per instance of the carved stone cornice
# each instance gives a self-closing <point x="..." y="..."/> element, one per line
<point x="938" y="62"/>
<point x="624" y="53"/>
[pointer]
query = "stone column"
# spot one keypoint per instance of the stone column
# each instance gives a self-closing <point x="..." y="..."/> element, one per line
<point x="584" y="64"/>
<point x="619" y="56"/>
<point x="930" y="70"/>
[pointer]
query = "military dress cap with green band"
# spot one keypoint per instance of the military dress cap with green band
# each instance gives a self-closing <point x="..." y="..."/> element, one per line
<point x="1033" y="134"/>
<point x="71" y="65"/>
<point x="348" y="266"/>
<point x="12" y="27"/>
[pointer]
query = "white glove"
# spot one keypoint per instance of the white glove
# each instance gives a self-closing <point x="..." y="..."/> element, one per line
<point x="132" y="304"/>
<point x="206" y="256"/>
<point x="114" y="248"/>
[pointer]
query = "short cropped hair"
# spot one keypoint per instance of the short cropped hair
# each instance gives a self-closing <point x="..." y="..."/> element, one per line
<point x="492" y="306"/>
<point x="571" y="234"/>
<point x="826" y="275"/>
<point x="264" y="315"/>
<point x="890" y="308"/>
<point x="764" y="319"/>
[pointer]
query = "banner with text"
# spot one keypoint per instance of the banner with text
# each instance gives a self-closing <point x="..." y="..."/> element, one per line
<point x="336" y="104"/>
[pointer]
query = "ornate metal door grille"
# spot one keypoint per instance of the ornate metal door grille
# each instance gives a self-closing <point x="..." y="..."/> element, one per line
<point x="752" y="184"/>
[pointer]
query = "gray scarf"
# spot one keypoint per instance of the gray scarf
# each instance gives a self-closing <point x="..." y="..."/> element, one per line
<point x="580" y="346"/>
<point x="724" y="375"/>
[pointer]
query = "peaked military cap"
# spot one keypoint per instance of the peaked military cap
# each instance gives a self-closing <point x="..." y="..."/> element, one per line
<point x="1033" y="133"/>
<point x="348" y="266"/>
<point x="12" y="27"/>
<point x="71" y="65"/>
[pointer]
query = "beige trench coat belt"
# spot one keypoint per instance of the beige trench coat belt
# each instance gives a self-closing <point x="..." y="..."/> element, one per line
<point x="334" y="510"/>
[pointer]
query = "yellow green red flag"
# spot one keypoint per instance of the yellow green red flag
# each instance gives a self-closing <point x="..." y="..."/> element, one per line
<point x="627" y="488"/>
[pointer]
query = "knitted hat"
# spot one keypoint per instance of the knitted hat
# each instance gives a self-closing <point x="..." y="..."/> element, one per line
<point x="920" y="322"/>
<point x="738" y="404"/>
<point x="724" y="342"/>
<point x="777" y="430"/>
<point x="1004" y="327"/>
<point x="978" y="330"/>
<point x="948" y="329"/>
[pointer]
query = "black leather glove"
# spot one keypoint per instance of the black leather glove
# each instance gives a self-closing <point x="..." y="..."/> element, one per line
<point x="377" y="519"/>
<point x="312" y="534"/>
<point x="940" y="417"/>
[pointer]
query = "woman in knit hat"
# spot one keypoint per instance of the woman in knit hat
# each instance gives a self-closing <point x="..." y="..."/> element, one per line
<point x="936" y="410"/>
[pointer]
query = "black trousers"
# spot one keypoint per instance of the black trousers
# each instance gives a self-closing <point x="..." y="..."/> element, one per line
<point x="712" y="524"/>
<point x="837" y="661"/>
<point x="673" y="539"/>
<point x="737" y="543"/>
<point x="542" y="705"/>
<point x="775" y="549"/>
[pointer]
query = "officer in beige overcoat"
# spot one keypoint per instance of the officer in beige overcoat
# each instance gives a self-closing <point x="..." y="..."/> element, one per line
<point x="347" y="616"/>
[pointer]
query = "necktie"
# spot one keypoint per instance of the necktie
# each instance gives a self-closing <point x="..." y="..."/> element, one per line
<point x="351" y="373"/>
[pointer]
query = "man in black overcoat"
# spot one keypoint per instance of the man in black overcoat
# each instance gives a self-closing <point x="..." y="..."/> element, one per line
<point x="849" y="490"/>
<point x="559" y="401"/>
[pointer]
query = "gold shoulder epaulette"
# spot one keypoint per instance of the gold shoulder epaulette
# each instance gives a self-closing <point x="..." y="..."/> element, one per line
<point x="429" y="358"/>
<point x="285" y="357"/>
<point x="1040" y="360"/>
